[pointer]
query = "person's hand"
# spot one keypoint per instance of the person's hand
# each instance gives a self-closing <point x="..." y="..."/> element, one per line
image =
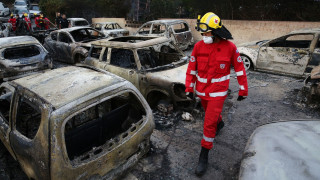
<point x="190" y="95"/>
<point x="240" y="98"/>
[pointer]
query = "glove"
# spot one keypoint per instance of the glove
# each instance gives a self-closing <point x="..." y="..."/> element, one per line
<point x="240" y="98"/>
<point x="190" y="95"/>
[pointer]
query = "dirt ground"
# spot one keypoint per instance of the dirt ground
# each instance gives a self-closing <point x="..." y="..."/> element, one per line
<point x="176" y="143"/>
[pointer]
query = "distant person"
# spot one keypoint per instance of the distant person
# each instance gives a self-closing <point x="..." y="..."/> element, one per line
<point x="58" y="19"/>
<point x="27" y="21"/>
<point x="13" y="22"/>
<point x="64" y="23"/>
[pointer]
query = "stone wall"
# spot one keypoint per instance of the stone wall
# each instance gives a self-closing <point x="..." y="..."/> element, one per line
<point x="242" y="31"/>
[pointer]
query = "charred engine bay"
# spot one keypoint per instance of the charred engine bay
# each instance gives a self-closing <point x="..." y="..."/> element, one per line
<point x="175" y="143"/>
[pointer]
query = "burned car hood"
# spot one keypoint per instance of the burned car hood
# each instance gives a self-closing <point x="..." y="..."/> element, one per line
<point x="253" y="44"/>
<point x="174" y="75"/>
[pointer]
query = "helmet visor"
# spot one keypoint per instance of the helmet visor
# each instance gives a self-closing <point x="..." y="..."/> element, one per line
<point x="203" y="27"/>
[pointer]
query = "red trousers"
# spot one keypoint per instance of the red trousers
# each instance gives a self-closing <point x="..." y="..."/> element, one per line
<point x="213" y="109"/>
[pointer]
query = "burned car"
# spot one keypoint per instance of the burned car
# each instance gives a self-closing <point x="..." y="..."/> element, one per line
<point x="110" y="29"/>
<point x="283" y="150"/>
<point x="294" y="54"/>
<point x="314" y="80"/>
<point x="71" y="45"/>
<point x="20" y="56"/>
<point x="177" y="31"/>
<point x="75" y="22"/>
<point x="5" y="29"/>
<point x="160" y="77"/>
<point x="74" y="123"/>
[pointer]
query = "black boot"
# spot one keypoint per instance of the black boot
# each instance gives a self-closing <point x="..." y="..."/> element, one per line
<point x="203" y="162"/>
<point x="220" y="126"/>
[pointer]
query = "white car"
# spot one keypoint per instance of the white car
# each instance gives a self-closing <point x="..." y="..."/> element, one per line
<point x="110" y="29"/>
<point x="75" y="22"/>
<point x="4" y="10"/>
<point x="34" y="9"/>
<point x="20" y="4"/>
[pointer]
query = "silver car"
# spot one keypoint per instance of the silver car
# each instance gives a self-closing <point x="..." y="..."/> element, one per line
<point x="75" y="22"/>
<point x="177" y="31"/>
<point x="4" y="10"/>
<point x="110" y="29"/>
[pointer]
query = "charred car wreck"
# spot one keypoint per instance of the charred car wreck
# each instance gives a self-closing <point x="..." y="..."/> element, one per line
<point x="71" y="45"/>
<point x="20" y="56"/>
<point x="74" y="123"/>
<point x="177" y="31"/>
<point x="160" y="77"/>
<point x="294" y="54"/>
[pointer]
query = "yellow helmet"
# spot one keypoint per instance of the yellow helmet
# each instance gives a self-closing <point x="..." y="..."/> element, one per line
<point x="208" y="22"/>
<point x="11" y="15"/>
<point x="35" y="14"/>
<point x="212" y="22"/>
<point x="25" y="14"/>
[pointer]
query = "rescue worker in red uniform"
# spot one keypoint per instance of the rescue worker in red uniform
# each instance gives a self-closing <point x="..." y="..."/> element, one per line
<point x="27" y="21"/>
<point x="42" y="22"/>
<point x="13" y="22"/>
<point x="208" y="77"/>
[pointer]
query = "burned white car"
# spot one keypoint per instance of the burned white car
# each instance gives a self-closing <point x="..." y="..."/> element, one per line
<point x="71" y="45"/>
<point x="5" y="29"/>
<point x="75" y="22"/>
<point x="177" y="31"/>
<point x="22" y="55"/>
<point x="294" y="54"/>
<point x="74" y="123"/>
<point x="110" y="29"/>
<point x="283" y="150"/>
<point x="160" y="77"/>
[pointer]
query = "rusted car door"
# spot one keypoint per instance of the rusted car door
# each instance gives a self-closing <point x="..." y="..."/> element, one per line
<point x="29" y="135"/>
<point x="181" y="33"/>
<point x="122" y="63"/>
<point x="64" y="47"/>
<point x="286" y="55"/>
<point x="6" y="96"/>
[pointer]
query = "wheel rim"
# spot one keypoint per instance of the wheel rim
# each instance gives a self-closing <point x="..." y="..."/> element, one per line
<point x="246" y="62"/>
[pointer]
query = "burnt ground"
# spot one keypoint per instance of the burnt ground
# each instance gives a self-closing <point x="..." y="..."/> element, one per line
<point x="176" y="143"/>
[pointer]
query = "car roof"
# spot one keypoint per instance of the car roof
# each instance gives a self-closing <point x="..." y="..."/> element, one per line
<point x="169" y="22"/>
<point x="67" y="84"/>
<point x="72" y="29"/>
<point x="283" y="150"/>
<point x="105" y="23"/>
<point x="147" y="41"/>
<point x="17" y="40"/>
<point x="77" y="19"/>
<point x="306" y="30"/>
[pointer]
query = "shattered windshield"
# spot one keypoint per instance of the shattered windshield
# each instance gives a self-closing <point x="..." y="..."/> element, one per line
<point x="152" y="60"/>
<point x="86" y="35"/>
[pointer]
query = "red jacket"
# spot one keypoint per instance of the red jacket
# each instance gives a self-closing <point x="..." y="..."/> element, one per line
<point x="28" y="22"/>
<point x="209" y="70"/>
<point x="13" y="22"/>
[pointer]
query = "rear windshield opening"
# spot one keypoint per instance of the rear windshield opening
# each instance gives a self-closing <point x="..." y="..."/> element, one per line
<point x="81" y="23"/>
<point x="21" y="52"/>
<point x="97" y="129"/>
<point x="149" y="58"/>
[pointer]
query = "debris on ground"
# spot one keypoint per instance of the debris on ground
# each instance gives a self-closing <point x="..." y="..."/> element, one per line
<point x="187" y="116"/>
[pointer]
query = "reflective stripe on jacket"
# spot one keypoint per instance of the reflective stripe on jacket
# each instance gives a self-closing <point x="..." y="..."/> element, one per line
<point x="209" y="70"/>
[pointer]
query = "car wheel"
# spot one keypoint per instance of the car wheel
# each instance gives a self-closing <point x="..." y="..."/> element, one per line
<point x="246" y="62"/>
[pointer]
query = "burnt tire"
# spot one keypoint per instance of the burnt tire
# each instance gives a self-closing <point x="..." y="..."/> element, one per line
<point x="79" y="58"/>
